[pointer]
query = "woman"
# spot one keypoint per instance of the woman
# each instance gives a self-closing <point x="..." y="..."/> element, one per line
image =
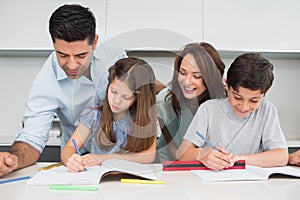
<point x="198" y="71"/>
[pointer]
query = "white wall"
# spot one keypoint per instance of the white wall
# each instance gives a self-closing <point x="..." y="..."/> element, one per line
<point x="17" y="74"/>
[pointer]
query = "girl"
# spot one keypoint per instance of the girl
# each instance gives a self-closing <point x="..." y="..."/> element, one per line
<point x="197" y="77"/>
<point x="125" y="126"/>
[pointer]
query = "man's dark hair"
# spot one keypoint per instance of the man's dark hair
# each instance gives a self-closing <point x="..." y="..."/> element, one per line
<point x="72" y="23"/>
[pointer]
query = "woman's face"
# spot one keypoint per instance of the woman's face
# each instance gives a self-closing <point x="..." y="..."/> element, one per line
<point x="190" y="78"/>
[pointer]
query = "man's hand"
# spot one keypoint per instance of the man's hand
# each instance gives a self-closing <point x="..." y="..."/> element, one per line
<point x="8" y="163"/>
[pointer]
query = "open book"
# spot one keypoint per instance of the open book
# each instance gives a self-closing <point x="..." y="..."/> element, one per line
<point x="251" y="173"/>
<point x="93" y="175"/>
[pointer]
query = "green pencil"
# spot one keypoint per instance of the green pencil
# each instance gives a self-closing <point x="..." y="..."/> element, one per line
<point x="73" y="187"/>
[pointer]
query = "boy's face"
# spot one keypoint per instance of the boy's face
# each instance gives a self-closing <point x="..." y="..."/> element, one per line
<point x="244" y="101"/>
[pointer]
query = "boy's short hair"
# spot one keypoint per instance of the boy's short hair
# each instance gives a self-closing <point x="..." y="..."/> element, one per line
<point x="72" y="23"/>
<point x="251" y="71"/>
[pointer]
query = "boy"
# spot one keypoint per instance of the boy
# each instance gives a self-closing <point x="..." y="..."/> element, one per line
<point x="244" y="126"/>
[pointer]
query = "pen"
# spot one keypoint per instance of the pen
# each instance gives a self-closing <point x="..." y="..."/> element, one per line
<point x="72" y="187"/>
<point x="77" y="150"/>
<point x="207" y="141"/>
<point x="14" y="179"/>
<point x="140" y="181"/>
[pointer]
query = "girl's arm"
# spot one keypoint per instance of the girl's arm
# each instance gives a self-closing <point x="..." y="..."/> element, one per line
<point x="146" y="156"/>
<point x="80" y="135"/>
<point x="271" y="158"/>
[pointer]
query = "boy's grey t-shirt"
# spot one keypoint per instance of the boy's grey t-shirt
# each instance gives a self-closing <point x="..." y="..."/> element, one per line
<point x="258" y="132"/>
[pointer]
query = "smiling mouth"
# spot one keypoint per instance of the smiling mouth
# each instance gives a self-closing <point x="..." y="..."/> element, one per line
<point x="189" y="89"/>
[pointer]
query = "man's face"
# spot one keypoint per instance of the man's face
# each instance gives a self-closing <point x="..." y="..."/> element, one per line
<point x="74" y="57"/>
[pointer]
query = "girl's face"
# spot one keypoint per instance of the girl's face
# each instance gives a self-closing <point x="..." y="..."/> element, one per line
<point x="189" y="78"/>
<point x="120" y="98"/>
<point x="244" y="101"/>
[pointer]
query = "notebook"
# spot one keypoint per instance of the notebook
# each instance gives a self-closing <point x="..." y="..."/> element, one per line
<point x="93" y="175"/>
<point x="251" y="173"/>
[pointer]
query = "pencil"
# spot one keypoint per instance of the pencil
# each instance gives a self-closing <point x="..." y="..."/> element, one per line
<point x="140" y="181"/>
<point x="14" y="179"/>
<point x="73" y="187"/>
<point x="207" y="141"/>
<point x="77" y="149"/>
<point x="51" y="166"/>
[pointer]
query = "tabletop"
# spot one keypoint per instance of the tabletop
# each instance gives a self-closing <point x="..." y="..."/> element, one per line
<point x="183" y="185"/>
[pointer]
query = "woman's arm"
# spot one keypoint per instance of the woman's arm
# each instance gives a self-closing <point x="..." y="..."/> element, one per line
<point x="146" y="156"/>
<point x="80" y="135"/>
<point x="271" y="158"/>
<point x="172" y="147"/>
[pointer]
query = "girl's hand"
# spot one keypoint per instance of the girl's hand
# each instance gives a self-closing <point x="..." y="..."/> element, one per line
<point x="91" y="160"/>
<point x="75" y="163"/>
<point x="216" y="160"/>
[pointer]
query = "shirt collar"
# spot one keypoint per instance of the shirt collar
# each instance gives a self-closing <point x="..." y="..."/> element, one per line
<point x="61" y="75"/>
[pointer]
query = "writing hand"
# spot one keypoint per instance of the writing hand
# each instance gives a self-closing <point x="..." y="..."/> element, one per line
<point x="216" y="160"/>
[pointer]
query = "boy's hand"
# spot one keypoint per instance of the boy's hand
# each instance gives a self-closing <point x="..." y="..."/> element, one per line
<point x="216" y="160"/>
<point x="294" y="158"/>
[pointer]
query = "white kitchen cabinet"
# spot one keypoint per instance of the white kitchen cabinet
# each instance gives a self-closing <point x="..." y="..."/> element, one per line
<point x="154" y="24"/>
<point x="24" y="23"/>
<point x="260" y="25"/>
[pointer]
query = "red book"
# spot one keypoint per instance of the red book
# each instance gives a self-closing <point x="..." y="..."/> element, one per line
<point x="195" y="165"/>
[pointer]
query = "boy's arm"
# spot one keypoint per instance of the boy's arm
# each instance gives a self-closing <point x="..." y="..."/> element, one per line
<point x="271" y="158"/>
<point x="216" y="160"/>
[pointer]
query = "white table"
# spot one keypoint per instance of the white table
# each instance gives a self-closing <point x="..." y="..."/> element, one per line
<point x="181" y="185"/>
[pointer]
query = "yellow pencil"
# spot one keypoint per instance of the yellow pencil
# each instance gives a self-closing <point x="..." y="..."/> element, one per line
<point x="140" y="181"/>
<point x="51" y="166"/>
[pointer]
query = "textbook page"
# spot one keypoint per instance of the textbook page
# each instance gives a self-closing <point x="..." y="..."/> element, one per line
<point x="92" y="176"/>
<point x="251" y="173"/>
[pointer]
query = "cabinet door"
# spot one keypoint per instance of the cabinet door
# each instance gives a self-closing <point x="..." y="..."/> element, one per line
<point x="24" y="24"/>
<point x="154" y="24"/>
<point x="266" y="25"/>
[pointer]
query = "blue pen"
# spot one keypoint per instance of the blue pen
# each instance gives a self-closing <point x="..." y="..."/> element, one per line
<point x="14" y="179"/>
<point x="207" y="141"/>
<point x="76" y="148"/>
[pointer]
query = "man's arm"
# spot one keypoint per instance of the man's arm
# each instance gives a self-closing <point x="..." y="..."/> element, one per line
<point x="21" y="155"/>
<point x="26" y="154"/>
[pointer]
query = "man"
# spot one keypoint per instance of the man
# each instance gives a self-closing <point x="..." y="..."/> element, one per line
<point x="73" y="78"/>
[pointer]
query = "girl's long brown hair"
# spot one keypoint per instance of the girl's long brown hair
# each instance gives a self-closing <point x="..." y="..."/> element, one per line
<point x="139" y="77"/>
